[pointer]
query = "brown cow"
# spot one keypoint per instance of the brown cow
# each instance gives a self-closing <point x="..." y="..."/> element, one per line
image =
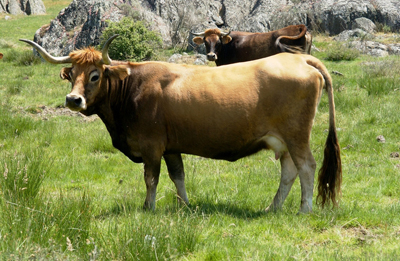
<point x="1" y="56"/>
<point x="233" y="47"/>
<point x="157" y="109"/>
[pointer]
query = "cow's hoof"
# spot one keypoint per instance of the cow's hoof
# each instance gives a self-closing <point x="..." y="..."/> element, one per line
<point x="270" y="209"/>
<point x="148" y="207"/>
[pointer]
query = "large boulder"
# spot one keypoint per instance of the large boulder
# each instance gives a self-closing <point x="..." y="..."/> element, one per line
<point x="364" y="24"/>
<point x="29" y="7"/>
<point x="335" y="16"/>
<point x="81" y="24"/>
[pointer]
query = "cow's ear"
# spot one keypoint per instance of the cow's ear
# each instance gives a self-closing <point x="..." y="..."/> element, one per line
<point x="119" y="71"/>
<point x="198" y="40"/>
<point x="226" y="39"/>
<point x="65" y="73"/>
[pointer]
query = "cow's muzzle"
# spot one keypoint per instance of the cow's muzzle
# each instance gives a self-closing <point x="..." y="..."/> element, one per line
<point x="75" y="102"/>
<point x="211" y="57"/>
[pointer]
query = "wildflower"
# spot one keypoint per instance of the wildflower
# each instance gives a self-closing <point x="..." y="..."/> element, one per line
<point x="150" y="239"/>
<point x="5" y="171"/>
<point x="69" y="245"/>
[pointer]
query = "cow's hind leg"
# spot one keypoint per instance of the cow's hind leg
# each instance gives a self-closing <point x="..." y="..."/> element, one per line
<point x="288" y="176"/>
<point x="177" y="174"/>
<point x="306" y="165"/>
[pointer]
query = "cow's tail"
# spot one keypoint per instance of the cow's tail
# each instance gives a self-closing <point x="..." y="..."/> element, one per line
<point x="285" y="48"/>
<point x="291" y="48"/>
<point x="330" y="174"/>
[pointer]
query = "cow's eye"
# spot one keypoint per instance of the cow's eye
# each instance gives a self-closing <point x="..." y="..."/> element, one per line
<point x="94" y="76"/>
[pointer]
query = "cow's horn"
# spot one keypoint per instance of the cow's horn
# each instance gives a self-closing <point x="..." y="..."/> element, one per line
<point x="199" y="34"/>
<point x="225" y="33"/>
<point x="104" y="51"/>
<point x="46" y="55"/>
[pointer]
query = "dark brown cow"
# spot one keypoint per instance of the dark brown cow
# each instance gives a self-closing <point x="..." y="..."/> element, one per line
<point x="1" y="56"/>
<point x="157" y="109"/>
<point x="233" y="47"/>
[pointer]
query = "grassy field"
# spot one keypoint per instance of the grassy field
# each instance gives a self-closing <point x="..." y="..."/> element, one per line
<point x="67" y="194"/>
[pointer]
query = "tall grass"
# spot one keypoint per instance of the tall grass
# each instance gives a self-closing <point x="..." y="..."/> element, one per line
<point x="381" y="77"/>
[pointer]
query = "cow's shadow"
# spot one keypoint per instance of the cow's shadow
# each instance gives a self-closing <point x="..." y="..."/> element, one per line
<point x="198" y="207"/>
<point x="225" y="208"/>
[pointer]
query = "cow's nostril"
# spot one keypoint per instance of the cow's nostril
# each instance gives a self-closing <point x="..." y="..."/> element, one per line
<point x="211" y="56"/>
<point x="78" y="101"/>
<point x="73" y="100"/>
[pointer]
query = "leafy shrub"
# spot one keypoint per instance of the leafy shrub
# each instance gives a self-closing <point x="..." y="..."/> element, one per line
<point x="384" y="28"/>
<point x="135" y="41"/>
<point x="341" y="52"/>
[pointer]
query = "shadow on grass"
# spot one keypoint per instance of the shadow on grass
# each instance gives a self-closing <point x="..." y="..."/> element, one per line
<point x="199" y="208"/>
<point x="226" y="208"/>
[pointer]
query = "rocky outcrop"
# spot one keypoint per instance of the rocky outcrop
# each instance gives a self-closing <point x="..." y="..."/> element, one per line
<point x="29" y="7"/>
<point x="77" y="26"/>
<point x="82" y="23"/>
<point x="367" y="43"/>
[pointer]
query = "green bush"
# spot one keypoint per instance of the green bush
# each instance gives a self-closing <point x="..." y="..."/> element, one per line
<point x="135" y="41"/>
<point x="341" y="52"/>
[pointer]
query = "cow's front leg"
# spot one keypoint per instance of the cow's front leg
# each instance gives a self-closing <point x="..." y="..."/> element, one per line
<point x="177" y="174"/>
<point x="151" y="175"/>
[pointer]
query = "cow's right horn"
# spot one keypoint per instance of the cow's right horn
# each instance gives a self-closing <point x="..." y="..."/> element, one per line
<point x="46" y="55"/>
<point x="106" y="58"/>
<point x="199" y="34"/>
<point x="225" y="33"/>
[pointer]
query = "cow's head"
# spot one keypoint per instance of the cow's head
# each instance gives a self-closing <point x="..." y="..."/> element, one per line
<point x="213" y="40"/>
<point x="90" y="68"/>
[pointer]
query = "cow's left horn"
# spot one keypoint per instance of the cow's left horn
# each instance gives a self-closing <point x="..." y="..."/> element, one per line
<point x="104" y="51"/>
<point x="199" y="34"/>
<point x="46" y="55"/>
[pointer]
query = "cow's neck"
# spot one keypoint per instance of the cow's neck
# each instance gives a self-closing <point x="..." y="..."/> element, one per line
<point x="114" y="111"/>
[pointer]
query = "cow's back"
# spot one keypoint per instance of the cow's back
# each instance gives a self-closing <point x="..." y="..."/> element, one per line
<point x="246" y="46"/>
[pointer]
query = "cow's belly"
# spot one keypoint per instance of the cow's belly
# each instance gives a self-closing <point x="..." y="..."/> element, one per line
<point x="233" y="153"/>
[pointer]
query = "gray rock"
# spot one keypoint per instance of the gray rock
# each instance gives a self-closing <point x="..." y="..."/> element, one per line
<point x="77" y="26"/>
<point x="175" y="58"/>
<point x="351" y="34"/>
<point x="394" y="49"/>
<point x="29" y="7"/>
<point x="201" y="59"/>
<point x="371" y="48"/>
<point x="364" y="24"/>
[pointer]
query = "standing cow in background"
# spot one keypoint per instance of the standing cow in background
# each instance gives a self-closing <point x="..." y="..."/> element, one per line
<point x="233" y="47"/>
<point x="156" y="110"/>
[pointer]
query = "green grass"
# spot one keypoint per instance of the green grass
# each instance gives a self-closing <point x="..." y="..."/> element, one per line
<point x="69" y="195"/>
